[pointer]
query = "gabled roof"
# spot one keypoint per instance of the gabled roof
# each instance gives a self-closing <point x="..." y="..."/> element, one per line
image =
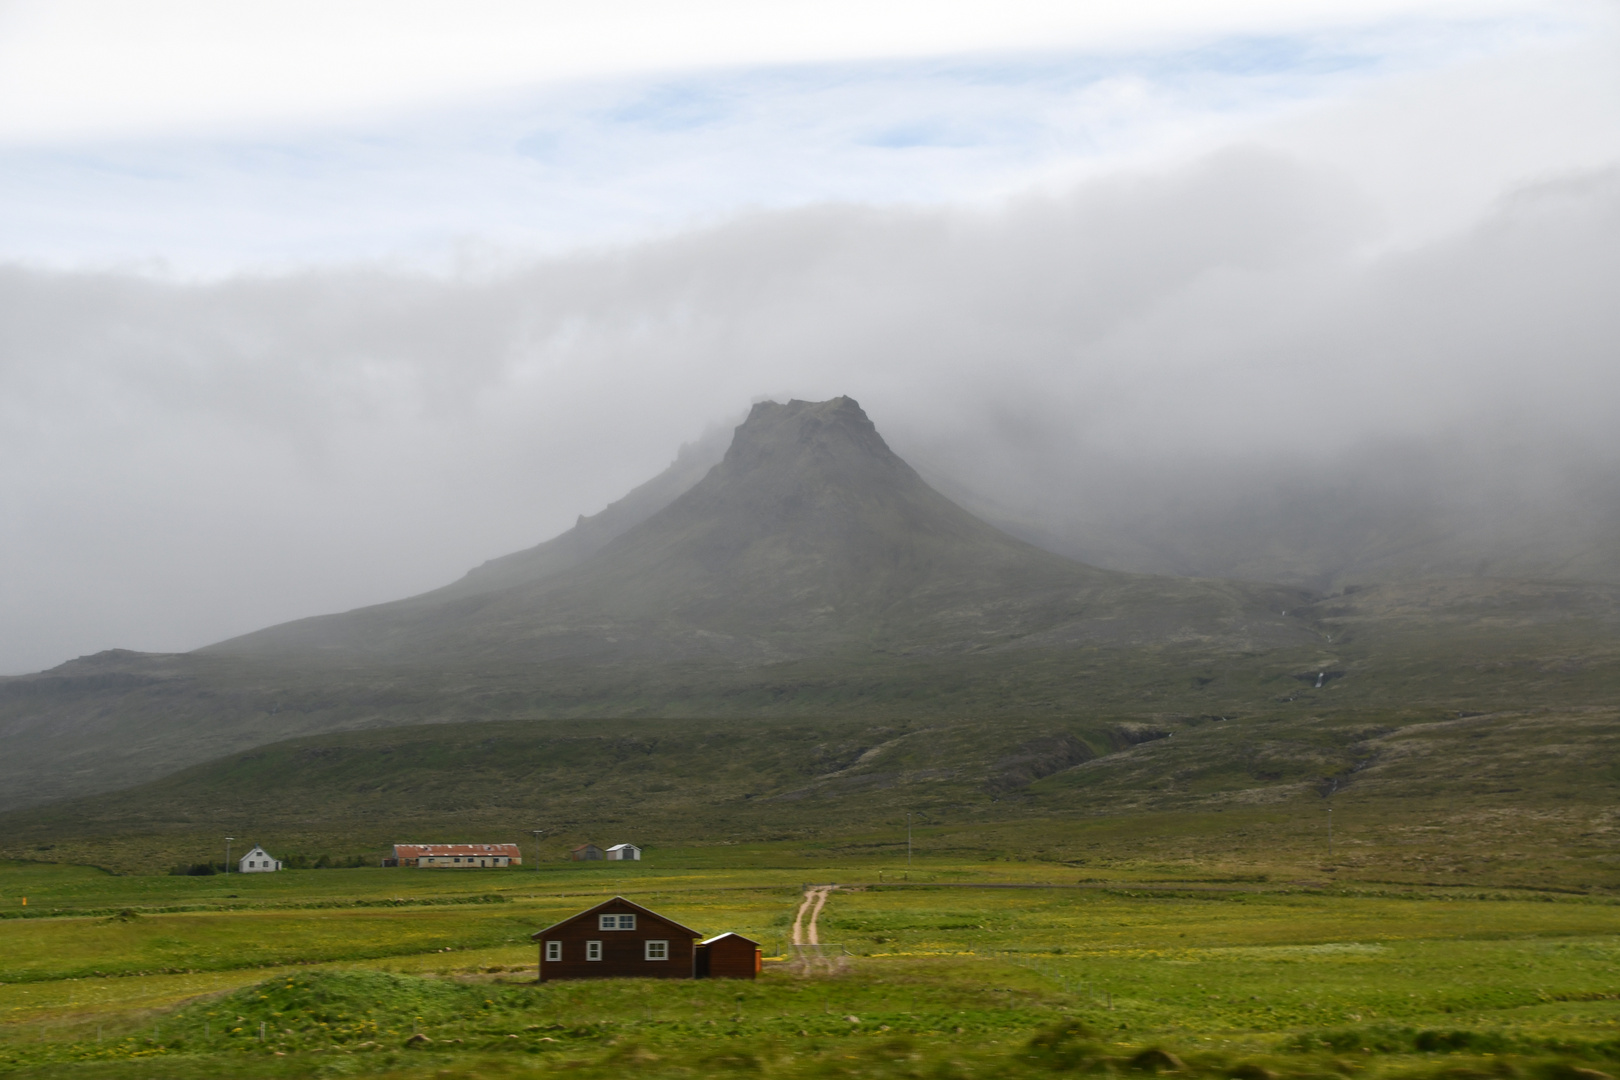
<point x="727" y="934"/>
<point x="416" y="851"/>
<point x="618" y="847"/>
<point x="620" y="900"/>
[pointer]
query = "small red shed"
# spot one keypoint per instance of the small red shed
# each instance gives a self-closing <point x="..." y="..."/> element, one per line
<point x="617" y="938"/>
<point x="729" y="956"/>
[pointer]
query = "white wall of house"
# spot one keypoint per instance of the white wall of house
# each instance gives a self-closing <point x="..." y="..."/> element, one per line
<point x="463" y="862"/>
<point x="258" y="861"/>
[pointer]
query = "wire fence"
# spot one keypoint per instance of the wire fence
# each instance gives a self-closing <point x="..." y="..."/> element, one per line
<point x="824" y="959"/>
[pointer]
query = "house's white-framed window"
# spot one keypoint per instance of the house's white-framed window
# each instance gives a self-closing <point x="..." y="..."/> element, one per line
<point x="616" y="922"/>
<point x="657" y="950"/>
<point x="553" y="951"/>
<point x="593" y="950"/>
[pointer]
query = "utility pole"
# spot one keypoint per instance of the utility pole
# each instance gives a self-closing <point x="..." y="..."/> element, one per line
<point x="228" y="840"/>
<point x="1330" y="832"/>
<point x="536" y="834"/>
<point x="908" y="839"/>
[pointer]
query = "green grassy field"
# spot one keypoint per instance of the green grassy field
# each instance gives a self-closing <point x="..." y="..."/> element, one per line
<point x="960" y="968"/>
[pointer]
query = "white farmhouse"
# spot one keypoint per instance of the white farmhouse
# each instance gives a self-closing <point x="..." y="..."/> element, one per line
<point x="258" y="861"/>
<point x="624" y="853"/>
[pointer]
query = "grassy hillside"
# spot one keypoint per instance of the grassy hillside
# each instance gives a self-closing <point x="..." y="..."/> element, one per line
<point x="1507" y="798"/>
<point x="1399" y="650"/>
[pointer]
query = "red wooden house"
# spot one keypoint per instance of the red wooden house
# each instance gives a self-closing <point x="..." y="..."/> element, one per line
<point x="622" y="939"/>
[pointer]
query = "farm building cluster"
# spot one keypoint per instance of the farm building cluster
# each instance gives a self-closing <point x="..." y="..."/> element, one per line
<point x="621" y="939"/>
<point x="456" y="856"/>
<point x="616" y="853"/>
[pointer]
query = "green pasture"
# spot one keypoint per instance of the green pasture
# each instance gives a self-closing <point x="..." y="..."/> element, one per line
<point x="173" y="977"/>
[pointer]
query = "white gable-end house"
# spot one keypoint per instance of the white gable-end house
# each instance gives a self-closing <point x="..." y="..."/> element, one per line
<point x="624" y="853"/>
<point x="258" y="861"/>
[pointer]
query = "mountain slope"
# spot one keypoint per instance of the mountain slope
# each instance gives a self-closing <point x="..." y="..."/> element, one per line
<point x="1376" y="515"/>
<point x="810" y="535"/>
<point x="590" y="534"/>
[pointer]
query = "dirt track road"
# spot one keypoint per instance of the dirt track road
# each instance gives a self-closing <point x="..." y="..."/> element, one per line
<point x="815" y="898"/>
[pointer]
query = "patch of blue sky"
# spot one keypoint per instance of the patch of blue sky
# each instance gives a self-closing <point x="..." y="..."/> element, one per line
<point x="678" y="106"/>
<point x="612" y="160"/>
<point x="936" y="132"/>
<point x="1260" y="56"/>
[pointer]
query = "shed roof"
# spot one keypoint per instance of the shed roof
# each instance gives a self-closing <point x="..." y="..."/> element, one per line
<point x="416" y="851"/>
<point x="619" y="847"/>
<point x="617" y="899"/>
<point x="727" y="934"/>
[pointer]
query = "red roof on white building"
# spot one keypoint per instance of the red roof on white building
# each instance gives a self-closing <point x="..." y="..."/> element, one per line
<point x="417" y="851"/>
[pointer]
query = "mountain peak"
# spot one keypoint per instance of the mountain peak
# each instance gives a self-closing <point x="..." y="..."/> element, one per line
<point x="833" y="428"/>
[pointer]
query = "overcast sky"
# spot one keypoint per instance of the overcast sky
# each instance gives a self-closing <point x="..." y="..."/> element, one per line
<point x="306" y="306"/>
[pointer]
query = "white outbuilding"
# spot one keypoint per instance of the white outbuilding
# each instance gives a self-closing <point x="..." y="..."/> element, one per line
<point x="258" y="861"/>
<point x="624" y="853"/>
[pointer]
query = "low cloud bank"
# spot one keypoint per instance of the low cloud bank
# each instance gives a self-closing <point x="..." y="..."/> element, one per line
<point x="1198" y="370"/>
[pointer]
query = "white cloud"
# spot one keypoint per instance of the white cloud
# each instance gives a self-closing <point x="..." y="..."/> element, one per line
<point x="549" y="168"/>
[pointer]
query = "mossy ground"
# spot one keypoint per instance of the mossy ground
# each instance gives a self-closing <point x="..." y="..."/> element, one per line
<point x="959" y="969"/>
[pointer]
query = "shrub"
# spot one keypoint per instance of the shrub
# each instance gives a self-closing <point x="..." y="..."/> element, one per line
<point x="1451" y="1042"/>
<point x="1154" y="1060"/>
<point x="1069" y="1045"/>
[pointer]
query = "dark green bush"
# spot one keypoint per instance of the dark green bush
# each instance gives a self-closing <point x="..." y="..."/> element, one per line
<point x="1069" y="1045"/>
